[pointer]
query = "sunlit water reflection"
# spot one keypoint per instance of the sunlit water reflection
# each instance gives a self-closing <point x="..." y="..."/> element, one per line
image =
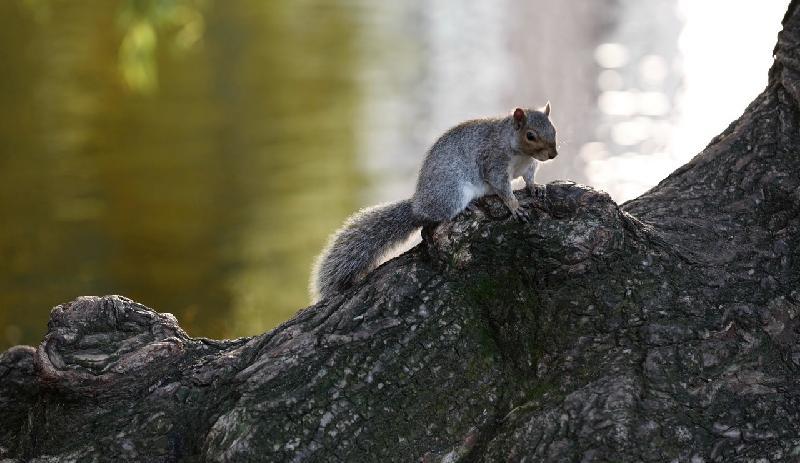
<point x="660" y="99"/>
<point x="194" y="155"/>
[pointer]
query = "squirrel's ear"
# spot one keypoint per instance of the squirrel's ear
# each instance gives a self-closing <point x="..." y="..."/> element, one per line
<point x="546" y="110"/>
<point x="519" y="117"/>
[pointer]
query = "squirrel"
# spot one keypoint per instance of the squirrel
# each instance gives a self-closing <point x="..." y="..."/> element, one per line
<point x="471" y="160"/>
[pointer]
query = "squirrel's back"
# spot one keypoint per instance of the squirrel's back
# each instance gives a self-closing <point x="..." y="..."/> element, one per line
<point x="466" y="139"/>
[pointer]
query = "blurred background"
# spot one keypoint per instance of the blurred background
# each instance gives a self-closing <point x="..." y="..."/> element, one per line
<point x="195" y="154"/>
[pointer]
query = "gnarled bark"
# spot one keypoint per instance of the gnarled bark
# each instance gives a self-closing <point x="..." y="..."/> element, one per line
<point x="663" y="329"/>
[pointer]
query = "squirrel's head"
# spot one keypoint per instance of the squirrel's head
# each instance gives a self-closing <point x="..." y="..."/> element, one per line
<point x="536" y="135"/>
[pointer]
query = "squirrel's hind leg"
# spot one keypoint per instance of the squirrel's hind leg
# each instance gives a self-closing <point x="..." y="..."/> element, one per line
<point x="443" y="204"/>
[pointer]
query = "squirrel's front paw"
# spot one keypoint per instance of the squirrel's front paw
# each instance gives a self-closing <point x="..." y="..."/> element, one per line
<point x="517" y="211"/>
<point x="538" y="192"/>
<point x="521" y="215"/>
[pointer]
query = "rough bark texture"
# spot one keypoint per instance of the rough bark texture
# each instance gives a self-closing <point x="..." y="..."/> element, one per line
<point x="664" y="329"/>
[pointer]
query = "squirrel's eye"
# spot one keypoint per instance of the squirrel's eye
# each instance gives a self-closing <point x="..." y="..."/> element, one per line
<point x="530" y="136"/>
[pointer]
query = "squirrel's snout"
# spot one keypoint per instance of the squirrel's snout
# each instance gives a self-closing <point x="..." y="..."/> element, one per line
<point x="552" y="154"/>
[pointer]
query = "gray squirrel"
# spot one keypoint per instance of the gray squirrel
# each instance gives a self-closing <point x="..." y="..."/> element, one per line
<point x="473" y="159"/>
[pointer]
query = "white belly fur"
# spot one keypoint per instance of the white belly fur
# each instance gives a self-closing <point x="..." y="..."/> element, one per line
<point x="470" y="192"/>
<point x="518" y="166"/>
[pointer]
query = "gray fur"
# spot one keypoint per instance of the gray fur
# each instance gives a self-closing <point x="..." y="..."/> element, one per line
<point x="471" y="160"/>
<point x="358" y="245"/>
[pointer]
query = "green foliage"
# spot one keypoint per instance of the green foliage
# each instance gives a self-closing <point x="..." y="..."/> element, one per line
<point x="144" y="26"/>
<point x="180" y="23"/>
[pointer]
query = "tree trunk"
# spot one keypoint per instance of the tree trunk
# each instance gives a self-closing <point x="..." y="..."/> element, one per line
<point x="667" y="328"/>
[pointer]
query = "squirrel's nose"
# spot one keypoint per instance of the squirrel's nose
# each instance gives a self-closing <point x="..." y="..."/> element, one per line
<point x="553" y="154"/>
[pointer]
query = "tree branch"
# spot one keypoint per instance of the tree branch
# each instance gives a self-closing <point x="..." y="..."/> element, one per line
<point x="665" y="329"/>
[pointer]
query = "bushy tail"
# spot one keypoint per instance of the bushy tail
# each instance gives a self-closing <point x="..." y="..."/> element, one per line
<point x="358" y="246"/>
